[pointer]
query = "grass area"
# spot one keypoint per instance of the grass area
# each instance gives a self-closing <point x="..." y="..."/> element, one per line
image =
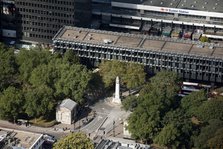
<point x="41" y="122"/>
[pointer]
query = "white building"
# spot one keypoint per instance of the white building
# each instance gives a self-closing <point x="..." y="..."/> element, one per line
<point x="66" y="111"/>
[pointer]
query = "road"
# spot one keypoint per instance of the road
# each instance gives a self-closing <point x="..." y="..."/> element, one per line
<point x="106" y="114"/>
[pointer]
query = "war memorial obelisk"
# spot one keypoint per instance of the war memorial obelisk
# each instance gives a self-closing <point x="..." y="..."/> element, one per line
<point x="117" y="99"/>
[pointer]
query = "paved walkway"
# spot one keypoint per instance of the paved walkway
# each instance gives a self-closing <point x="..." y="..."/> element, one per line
<point x="102" y="124"/>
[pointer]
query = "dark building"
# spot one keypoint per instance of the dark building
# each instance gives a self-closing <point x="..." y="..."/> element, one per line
<point x="191" y="60"/>
<point x="39" y="20"/>
<point x="8" y="25"/>
<point x="150" y="15"/>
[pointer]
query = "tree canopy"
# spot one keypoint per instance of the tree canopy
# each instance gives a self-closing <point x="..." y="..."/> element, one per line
<point x="74" y="141"/>
<point x="145" y="121"/>
<point x="11" y="103"/>
<point x="8" y="67"/>
<point x="38" y="80"/>
<point x="131" y="75"/>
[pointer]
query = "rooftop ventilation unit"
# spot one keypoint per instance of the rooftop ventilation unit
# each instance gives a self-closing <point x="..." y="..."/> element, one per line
<point x="161" y="3"/>
<point x="107" y="41"/>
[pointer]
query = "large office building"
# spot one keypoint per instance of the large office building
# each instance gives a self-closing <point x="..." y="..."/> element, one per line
<point x="190" y="59"/>
<point x="155" y="15"/>
<point x="39" y="20"/>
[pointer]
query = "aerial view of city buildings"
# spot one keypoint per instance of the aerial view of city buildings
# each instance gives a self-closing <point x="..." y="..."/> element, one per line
<point x="111" y="74"/>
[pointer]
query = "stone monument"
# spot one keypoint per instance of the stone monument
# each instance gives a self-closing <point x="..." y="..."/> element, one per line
<point x="117" y="99"/>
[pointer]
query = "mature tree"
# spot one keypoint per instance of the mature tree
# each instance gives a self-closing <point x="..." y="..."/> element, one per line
<point x="145" y="121"/>
<point x="216" y="141"/>
<point x="39" y="101"/>
<point x="131" y="75"/>
<point x="207" y="132"/>
<point x="28" y="60"/>
<point x="130" y="102"/>
<point x="166" y="83"/>
<point x="74" y="141"/>
<point x="182" y="124"/>
<point x="7" y="66"/>
<point x="135" y="75"/>
<point x="73" y="82"/>
<point x="70" y="57"/>
<point x="110" y="69"/>
<point x="168" y="136"/>
<point x="211" y="109"/>
<point x="11" y="103"/>
<point x="191" y="102"/>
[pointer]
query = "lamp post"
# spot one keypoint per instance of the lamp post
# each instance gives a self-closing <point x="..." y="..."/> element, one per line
<point x="113" y="128"/>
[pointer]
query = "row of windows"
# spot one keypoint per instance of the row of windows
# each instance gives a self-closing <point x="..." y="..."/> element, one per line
<point x="28" y="19"/>
<point x="28" y="35"/>
<point x="40" y="24"/>
<point x="39" y="30"/>
<point x="49" y="2"/>
<point x="46" y="12"/>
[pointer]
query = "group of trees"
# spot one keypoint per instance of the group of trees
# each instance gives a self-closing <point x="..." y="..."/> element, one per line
<point x="160" y="116"/>
<point x="74" y="141"/>
<point x="33" y="82"/>
<point x="131" y="75"/>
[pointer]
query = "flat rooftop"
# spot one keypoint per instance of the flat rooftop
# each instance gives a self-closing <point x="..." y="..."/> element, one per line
<point x="26" y="139"/>
<point x="202" y="5"/>
<point x="142" y="42"/>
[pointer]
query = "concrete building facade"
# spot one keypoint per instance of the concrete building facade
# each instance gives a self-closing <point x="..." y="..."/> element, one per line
<point x="191" y="60"/>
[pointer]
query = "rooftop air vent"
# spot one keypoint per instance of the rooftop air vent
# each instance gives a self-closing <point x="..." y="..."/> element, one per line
<point x="216" y="4"/>
<point x="195" y="2"/>
<point x="192" y="6"/>
<point x="205" y="3"/>
<point x="161" y="3"/>
<point x="151" y="2"/>
<point x="107" y="41"/>
<point x="171" y="4"/>
<point x="214" y="8"/>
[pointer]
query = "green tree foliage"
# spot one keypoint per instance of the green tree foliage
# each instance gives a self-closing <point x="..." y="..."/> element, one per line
<point x="191" y="102"/>
<point x="73" y="82"/>
<point x="28" y="60"/>
<point x="131" y="75"/>
<point x="39" y="101"/>
<point x="217" y="141"/>
<point x="182" y="124"/>
<point x="167" y="136"/>
<point x="65" y="77"/>
<point x="7" y="67"/>
<point x="11" y="103"/>
<point x="207" y="132"/>
<point x="74" y="141"/>
<point x="166" y="83"/>
<point x="44" y="79"/>
<point x="70" y="57"/>
<point x="145" y="121"/>
<point x="129" y="103"/>
<point x="211" y="109"/>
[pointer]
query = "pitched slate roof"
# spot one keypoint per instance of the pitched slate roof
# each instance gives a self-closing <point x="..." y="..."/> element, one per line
<point x="68" y="103"/>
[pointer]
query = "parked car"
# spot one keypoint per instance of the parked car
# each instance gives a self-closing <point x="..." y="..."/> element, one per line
<point x="49" y="138"/>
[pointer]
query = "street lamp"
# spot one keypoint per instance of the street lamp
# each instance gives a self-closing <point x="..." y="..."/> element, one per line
<point x="113" y="128"/>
